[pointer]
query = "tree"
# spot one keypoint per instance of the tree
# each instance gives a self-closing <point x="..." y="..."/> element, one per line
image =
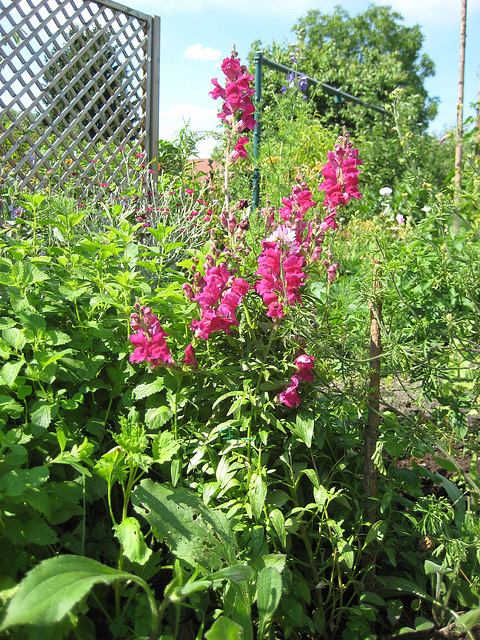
<point x="372" y="56"/>
<point x="369" y="55"/>
<point x="85" y="79"/>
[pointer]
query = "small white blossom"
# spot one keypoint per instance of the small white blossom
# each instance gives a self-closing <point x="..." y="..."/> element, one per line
<point x="385" y="191"/>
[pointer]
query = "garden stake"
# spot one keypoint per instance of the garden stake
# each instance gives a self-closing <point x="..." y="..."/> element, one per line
<point x="371" y="431"/>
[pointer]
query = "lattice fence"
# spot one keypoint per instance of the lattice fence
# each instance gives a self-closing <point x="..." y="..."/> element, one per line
<point x="79" y="83"/>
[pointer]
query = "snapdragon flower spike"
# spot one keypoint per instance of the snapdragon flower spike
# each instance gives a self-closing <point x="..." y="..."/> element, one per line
<point x="149" y="339"/>
<point x="237" y="106"/>
<point x="280" y="266"/>
<point x="341" y="177"/>
<point x="304" y="365"/>
<point x="296" y="206"/>
<point x="218" y="298"/>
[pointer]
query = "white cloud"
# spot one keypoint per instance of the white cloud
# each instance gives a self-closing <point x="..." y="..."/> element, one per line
<point x="197" y="52"/>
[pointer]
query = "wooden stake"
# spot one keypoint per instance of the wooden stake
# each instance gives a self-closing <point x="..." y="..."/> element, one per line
<point x="371" y="431"/>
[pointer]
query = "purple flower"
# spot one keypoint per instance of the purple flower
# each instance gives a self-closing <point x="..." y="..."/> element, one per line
<point x="303" y="83"/>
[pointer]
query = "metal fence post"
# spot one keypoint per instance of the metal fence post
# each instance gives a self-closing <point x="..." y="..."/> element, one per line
<point x="258" y="59"/>
<point x="153" y="90"/>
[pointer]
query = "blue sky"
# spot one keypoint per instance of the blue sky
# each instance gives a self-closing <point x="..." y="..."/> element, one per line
<point x="197" y="34"/>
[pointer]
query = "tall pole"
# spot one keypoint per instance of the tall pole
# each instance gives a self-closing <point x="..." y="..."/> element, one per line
<point x="461" y="82"/>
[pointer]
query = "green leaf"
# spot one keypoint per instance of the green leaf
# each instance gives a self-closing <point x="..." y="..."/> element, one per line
<point x="10" y="406"/>
<point x="269" y="592"/>
<point x="145" y="390"/>
<point x="9" y="372"/>
<point x="43" y="413"/>
<point x="192" y="530"/>
<point x="432" y="567"/>
<point x="278" y="521"/>
<point x="234" y="573"/>
<point x="257" y="494"/>
<point x="131" y="538"/>
<point x="446" y="464"/>
<point x="373" y="532"/>
<point x="157" y="417"/>
<point x="304" y="427"/>
<point x="14" y="337"/>
<point x="422" y="624"/>
<point x="164" y="447"/>
<point x="52" y="588"/>
<point x="17" y="481"/>
<point x="469" y="619"/>
<point x="224" y="629"/>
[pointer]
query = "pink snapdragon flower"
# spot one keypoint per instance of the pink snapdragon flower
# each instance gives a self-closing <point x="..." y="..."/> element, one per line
<point x="341" y="175"/>
<point x="218" y="295"/>
<point x="239" y="149"/>
<point x="237" y="106"/>
<point x="281" y="269"/>
<point x="149" y="339"/>
<point x="304" y="365"/>
<point x="189" y="359"/>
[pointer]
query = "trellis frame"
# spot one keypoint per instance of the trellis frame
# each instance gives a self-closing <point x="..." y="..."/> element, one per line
<point x="69" y="68"/>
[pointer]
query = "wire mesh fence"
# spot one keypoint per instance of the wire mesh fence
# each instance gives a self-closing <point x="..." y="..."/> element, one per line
<point x="79" y="89"/>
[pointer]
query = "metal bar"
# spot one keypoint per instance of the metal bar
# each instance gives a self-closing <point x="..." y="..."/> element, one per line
<point x="326" y="87"/>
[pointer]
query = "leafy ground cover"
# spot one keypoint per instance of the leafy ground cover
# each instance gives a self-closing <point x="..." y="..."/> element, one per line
<point x="232" y="423"/>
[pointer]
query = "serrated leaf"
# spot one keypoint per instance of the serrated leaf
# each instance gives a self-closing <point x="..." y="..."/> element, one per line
<point x="157" y="417"/>
<point x="17" y="481"/>
<point x="145" y="390"/>
<point x="52" y="588"/>
<point x="43" y="413"/>
<point x="14" y="337"/>
<point x="10" y="406"/>
<point x="9" y="372"/>
<point x="192" y="530"/>
<point x="164" y="447"/>
<point x="131" y="538"/>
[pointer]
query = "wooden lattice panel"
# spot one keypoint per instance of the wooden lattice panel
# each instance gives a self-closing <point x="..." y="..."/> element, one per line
<point x="78" y="84"/>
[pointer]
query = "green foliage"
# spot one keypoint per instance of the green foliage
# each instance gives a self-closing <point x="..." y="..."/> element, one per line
<point x="237" y="515"/>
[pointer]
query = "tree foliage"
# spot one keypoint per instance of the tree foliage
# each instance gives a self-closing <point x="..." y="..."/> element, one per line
<point x="372" y="56"/>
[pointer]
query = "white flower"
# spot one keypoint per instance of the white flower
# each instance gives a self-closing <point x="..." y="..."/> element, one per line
<point x="400" y="218"/>
<point x="283" y="234"/>
<point x="426" y="209"/>
<point x="385" y="191"/>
